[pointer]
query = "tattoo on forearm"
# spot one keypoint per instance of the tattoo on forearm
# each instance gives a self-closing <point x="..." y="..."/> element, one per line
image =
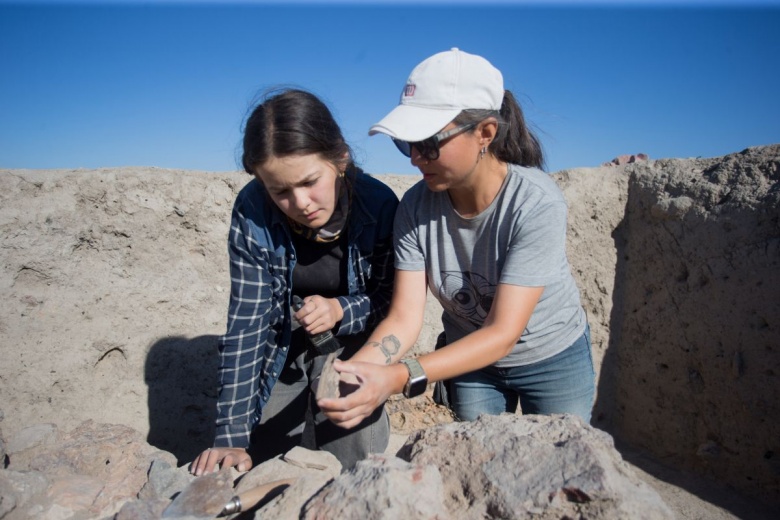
<point x="390" y="346"/>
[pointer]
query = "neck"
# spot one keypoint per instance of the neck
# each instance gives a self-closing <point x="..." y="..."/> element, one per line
<point x="479" y="188"/>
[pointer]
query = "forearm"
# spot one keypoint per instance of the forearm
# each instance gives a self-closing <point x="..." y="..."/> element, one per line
<point x="479" y="349"/>
<point x="389" y="342"/>
<point x="239" y="379"/>
<point x="511" y="311"/>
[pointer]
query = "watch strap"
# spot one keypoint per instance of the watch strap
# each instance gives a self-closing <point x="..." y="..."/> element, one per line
<point x="418" y="381"/>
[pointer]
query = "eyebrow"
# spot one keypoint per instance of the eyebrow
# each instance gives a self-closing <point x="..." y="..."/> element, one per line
<point x="301" y="182"/>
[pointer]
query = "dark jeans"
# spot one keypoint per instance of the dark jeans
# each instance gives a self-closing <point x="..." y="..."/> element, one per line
<point x="563" y="383"/>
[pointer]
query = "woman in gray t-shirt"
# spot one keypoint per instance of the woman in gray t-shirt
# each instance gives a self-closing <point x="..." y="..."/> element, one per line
<point x="485" y="232"/>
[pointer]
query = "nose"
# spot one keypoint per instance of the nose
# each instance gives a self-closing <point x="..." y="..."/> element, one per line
<point x="416" y="157"/>
<point x="300" y="200"/>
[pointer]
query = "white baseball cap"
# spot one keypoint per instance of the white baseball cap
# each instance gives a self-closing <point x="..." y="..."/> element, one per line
<point x="437" y="90"/>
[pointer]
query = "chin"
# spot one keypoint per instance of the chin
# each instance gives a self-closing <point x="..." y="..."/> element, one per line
<point x="435" y="185"/>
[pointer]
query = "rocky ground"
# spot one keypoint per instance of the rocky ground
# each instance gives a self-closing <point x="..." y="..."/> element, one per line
<point x="114" y="287"/>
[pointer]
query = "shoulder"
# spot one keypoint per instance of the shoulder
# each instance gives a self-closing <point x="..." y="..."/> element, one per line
<point x="418" y="193"/>
<point x="252" y="195"/>
<point x="533" y="183"/>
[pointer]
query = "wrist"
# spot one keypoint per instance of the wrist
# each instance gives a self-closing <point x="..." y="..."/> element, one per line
<point x="417" y="379"/>
<point x="400" y="377"/>
<point x="338" y="310"/>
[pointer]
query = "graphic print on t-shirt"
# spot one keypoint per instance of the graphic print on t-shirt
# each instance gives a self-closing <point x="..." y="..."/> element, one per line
<point x="466" y="294"/>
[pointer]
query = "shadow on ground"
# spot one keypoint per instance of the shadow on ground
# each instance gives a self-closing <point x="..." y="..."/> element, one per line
<point x="181" y="374"/>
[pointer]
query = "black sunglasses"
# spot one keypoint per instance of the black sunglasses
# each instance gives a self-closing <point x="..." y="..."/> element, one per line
<point x="429" y="148"/>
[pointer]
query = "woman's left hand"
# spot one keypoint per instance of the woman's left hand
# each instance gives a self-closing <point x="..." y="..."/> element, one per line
<point x="211" y="459"/>
<point x="375" y="383"/>
<point x="319" y="314"/>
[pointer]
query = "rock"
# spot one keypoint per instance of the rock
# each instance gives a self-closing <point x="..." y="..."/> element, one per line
<point x="31" y="437"/>
<point x="205" y="496"/>
<point x="381" y="487"/>
<point x="165" y="481"/>
<point x="626" y="159"/>
<point x="312" y="459"/>
<point x="311" y="469"/>
<point x="514" y="466"/>
<point x="290" y="503"/>
<point x="93" y="469"/>
<point x="151" y="509"/>
<point x="328" y="387"/>
<point x="18" y="488"/>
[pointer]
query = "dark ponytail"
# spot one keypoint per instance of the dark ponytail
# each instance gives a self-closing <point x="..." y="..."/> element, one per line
<point x="293" y="122"/>
<point x="514" y="142"/>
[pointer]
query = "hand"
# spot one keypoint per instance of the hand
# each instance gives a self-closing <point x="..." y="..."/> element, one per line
<point x="208" y="461"/>
<point x="319" y="314"/>
<point x="373" y="384"/>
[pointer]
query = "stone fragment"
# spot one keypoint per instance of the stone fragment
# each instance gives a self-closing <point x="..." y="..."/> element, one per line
<point x="206" y="495"/>
<point x="18" y="488"/>
<point x="165" y="481"/>
<point x="328" y="387"/>
<point x="312" y="459"/>
<point x="311" y="469"/>
<point x="30" y="437"/>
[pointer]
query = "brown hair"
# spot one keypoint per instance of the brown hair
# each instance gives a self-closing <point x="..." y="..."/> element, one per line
<point x="514" y="142"/>
<point x="293" y="122"/>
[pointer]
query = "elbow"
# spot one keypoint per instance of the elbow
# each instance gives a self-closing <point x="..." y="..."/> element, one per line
<point x="503" y="343"/>
<point x="507" y="349"/>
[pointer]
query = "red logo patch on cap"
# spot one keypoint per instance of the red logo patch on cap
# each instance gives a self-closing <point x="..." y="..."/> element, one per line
<point x="409" y="90"/>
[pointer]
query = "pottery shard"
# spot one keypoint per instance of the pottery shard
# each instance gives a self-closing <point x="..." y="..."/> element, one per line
<point x="329" y="380"/>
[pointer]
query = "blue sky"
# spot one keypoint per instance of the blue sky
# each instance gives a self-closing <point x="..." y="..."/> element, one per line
<point x="104" y="84"/>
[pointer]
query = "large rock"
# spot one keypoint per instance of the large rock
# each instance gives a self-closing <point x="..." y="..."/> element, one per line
<point x="503" y="467"/>
<point x="89" y="472"/>
<point x="496" y="467"/>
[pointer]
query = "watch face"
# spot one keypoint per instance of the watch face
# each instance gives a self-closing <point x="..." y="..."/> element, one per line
<point x="418" y="381"/>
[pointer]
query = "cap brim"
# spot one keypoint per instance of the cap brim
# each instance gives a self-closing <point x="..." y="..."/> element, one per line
<point x="412" y="123"/>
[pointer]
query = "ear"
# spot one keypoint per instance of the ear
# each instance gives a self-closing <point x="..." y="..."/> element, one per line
<point x="487" y="131"/>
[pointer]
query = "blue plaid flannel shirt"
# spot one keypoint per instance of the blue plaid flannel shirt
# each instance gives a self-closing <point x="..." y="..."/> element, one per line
<point x="259" y="323"/>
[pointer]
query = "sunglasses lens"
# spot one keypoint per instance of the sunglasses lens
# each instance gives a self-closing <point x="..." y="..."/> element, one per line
<point x="428" y="148"/>
<point x="404" y="147"/>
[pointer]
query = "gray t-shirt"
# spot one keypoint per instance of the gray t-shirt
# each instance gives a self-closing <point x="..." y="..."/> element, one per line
<point x="520" y="239"/>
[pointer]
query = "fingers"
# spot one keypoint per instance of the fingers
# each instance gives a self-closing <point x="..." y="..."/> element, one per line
<point x="213" y="458"/>
<point x="348" y="417"/>
<point x="362" y="398"/>
<point x="317" y="315"/>
<point x="205" y="463"/>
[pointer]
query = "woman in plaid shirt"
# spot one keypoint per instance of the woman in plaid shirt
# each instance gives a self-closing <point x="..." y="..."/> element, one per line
<point x="311" y="226"/>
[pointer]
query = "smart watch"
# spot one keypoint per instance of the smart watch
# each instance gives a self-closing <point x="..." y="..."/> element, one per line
<point x="418" y="381"/>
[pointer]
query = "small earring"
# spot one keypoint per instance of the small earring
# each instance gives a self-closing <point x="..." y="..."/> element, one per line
<point x="483" y="152"/>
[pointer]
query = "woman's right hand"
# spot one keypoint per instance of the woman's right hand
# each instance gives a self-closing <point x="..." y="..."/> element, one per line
<point x="373" y="384"/>
<point x="211" y="458"/>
